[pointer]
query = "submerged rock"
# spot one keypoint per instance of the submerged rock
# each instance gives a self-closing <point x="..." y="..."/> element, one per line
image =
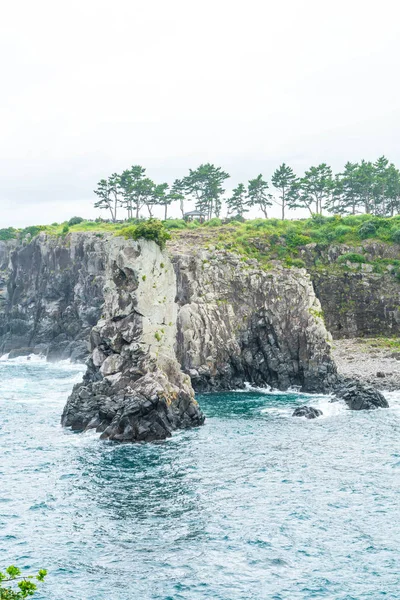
<point x="309" y="412"/>
<point x="359" y="396"/>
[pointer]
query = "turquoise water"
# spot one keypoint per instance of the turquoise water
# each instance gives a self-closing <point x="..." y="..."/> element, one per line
<point x="254" y="505"/>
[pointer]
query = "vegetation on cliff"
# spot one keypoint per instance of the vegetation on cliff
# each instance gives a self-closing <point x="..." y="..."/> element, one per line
<point x="263" y="239"/>
<point x="371" y="188"/>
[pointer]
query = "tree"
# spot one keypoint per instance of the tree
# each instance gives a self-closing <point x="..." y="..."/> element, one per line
<point x="315" y="189"/>
<point x="161" y="198"/>
<point x="145" y="191"/>
<point x="238" y="201"/>
<point x="106" y="201"/>
<point x="380" y="185"/>
<point x="346" y="191"/>
<point x="285" y="181"/>
<point x="134" y="191"/>
<point x="25" y="585"/>
<point x="205" y="185"/>
<point x="365" y="183"/>
<point x="392" y="190"/>
<point x="115" y="189"/>
<point x="177" y="193"/>
<point x="257" y="194"/>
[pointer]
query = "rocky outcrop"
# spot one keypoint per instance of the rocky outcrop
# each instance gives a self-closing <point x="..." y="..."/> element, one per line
<point x="359" y="396"/>
<point x="358" y="299"/>
<point x="238" y="323"/>
<point x="51" y="294"/>
<point x="134" y="389"/>
<point x="309" y="412"/>
<point x="159" y="325"/>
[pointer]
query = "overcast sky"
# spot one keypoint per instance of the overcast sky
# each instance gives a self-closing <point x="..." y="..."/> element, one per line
<point x="90" y="87"/>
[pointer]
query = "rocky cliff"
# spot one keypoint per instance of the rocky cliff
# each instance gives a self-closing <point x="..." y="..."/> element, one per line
<point x="159" y="324"/>
<point x="51" y="294"/>
<point x="359" y="299"/>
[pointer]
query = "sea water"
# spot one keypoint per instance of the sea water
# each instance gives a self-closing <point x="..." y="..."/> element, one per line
<point x="254" y="505"/>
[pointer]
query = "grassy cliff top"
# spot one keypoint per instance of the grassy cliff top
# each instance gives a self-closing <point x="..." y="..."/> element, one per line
<point x="263" y="239"/>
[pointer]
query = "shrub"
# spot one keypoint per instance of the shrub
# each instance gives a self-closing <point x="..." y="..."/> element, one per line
<point x="367" y="230"/>
<point x="65" y="229"/>
<point x="351" y="257"/>
<point x="153" y="229"/>
<point x="25" y="585"/>
<point x="32" y="230"/>
<point x="396" y="236"/>
<point x="174" y="224"/>
<point x="215" y="222"/>
<point x="355" y="220"/>
<point x="318" y="220"/>
<point x="7" y="234"/>
<point x="295" y="262"/>
<point x="342" y="230"/>
<point x="75" y="221"/>
<point x="193" y="224"/>
<point x="294" y="239"/>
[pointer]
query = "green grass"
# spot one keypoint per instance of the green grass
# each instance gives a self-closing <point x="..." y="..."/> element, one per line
<point x="263" y="239"/>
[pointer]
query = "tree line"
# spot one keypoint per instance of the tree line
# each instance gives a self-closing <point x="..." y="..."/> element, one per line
<point x="370" y="187"/>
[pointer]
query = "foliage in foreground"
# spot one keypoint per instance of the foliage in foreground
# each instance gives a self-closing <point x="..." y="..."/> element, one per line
<point x="21" y="586"/>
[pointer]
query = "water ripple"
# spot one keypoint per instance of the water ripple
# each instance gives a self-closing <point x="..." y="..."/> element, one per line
<point x="255" y="505"/>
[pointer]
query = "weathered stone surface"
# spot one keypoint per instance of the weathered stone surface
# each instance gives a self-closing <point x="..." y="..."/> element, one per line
<point x="309" y="412"/>
<point x="134" y="389"/>
<point x="158" y="324"/>
<point x="238" y="323"/>
<point x="359" y="396"/>
<point x="51" y="293"/>
<point x="357" y="302"/>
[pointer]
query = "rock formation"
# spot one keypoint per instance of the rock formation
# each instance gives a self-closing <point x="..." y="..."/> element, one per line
<point x="159" y="325"/>
<point x="309" y="412"/>
<point x="134" y="388"/>
<point x="359" y="396"/>
<point x="51" y="294"/>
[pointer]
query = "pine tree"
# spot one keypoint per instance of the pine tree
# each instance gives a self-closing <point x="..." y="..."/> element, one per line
<point x="204" y="184"/>
<point x="106" y="199"/>
<point x="315" y="189"/>
<point x="237" y="203"/>
<point x="285" y="181"/>
<point x="257" y="194"/>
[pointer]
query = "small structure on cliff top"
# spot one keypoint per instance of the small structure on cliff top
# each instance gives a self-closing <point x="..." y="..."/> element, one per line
<point x="195" y="215"/>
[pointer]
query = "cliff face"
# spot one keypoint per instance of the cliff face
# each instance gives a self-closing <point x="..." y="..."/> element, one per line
<point x="51" y="294"/>
<point x="134" y="388"/>
<point x="357" y="299"/>
<point x="160" y="324"/>
<point x="239" y="323"/>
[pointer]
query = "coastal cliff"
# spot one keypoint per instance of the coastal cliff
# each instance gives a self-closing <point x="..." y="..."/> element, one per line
<point x="160" y="324"/>
<point x="51" y="294"/>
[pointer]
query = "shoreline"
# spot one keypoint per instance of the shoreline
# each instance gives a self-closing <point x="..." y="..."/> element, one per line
<point x="373" y="361"/>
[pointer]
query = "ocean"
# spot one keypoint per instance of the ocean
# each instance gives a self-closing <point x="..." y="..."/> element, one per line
<point x="256" y="504"/>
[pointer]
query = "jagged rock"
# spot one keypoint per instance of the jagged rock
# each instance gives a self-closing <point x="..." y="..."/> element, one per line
<point x="309" y="412"/>
<point x="51" y="293"/>
<point x="359" y="396"/>
<point x="15" y="353"/>
<point x="239" y="323"/>
<point x="134" y="389"/>
<point x="154" y="321"/>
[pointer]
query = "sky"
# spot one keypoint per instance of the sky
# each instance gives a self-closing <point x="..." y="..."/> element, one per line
<point x="91" y="87"/>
